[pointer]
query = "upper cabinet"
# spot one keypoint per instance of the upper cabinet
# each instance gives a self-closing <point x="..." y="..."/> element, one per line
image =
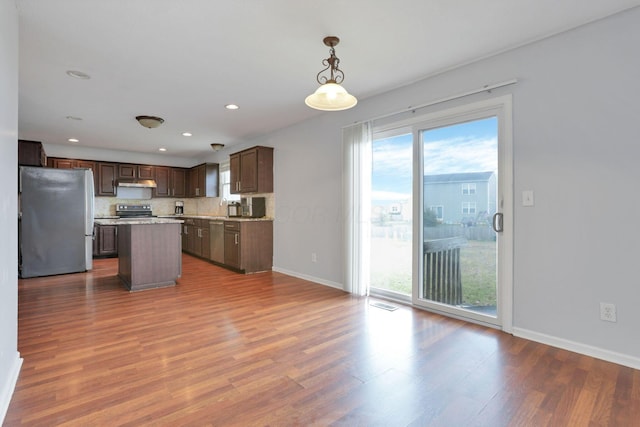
<point x="31" y="153"/>
<point x="106" y="174"/>
<point x="170" y="182"/>
<point x="58" y="163"/>
<point x="200" y="181"/>
<point x="135" y="171"/>
<point x="203" y="180"/>
<point x="251" y="170"/>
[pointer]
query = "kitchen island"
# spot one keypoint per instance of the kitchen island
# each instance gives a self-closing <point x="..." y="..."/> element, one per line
<point x="149" y="251"/>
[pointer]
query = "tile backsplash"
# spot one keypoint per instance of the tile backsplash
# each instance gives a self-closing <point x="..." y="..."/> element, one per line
<point x="209" y="206"/>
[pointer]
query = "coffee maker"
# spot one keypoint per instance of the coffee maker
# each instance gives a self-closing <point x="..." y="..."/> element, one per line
<point x="179" y="207"/>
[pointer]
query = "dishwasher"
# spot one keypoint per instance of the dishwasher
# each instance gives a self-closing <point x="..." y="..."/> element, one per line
<point x="216" y="236"/>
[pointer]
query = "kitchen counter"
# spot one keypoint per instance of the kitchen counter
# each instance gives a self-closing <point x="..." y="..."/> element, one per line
<point x="214" y="218"/>
<point x="138" y="221"/>
<point x="149" y="252"/>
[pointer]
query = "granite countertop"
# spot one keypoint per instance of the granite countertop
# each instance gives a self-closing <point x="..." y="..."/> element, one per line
<point x="140" y="221"/>
<point x="216" y="218"/>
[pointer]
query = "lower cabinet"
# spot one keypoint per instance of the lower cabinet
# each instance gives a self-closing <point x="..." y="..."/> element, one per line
<point x="105" y="240"/>
<point x="247" y="245"/>
<point x="195" y="237"/>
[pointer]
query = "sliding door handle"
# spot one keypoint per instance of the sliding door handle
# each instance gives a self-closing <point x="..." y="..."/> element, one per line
<point x="497" y="222"/>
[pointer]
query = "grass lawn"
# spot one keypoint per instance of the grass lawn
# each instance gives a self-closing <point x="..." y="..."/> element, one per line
<point x="391" y="269"/>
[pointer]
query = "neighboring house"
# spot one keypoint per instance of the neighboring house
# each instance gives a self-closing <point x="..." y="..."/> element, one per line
<point x="461" y="198"/>
<point x="394" y="210"/>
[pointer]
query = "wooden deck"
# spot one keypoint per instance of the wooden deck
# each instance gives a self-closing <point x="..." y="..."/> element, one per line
<point x="223" y="349"/>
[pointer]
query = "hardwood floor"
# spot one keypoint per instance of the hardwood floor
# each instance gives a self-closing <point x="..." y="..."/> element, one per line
<point x="222" y="349"/>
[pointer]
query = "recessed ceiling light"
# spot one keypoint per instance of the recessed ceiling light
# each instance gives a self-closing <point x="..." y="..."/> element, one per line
<point x="186" y="134"/>
<point x="231" y="107"/>
<point x="74" y="118"/>
<point x="162" y="149"/>
<point x="78" y="74"/>
<point x="73" y="140"/>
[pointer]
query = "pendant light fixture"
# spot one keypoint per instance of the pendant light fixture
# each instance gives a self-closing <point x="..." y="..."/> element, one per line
<point x="331" y="96"/>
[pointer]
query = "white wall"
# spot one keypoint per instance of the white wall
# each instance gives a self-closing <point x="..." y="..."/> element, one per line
<point x="575" y="144"/>
<point x="9" y="357"/>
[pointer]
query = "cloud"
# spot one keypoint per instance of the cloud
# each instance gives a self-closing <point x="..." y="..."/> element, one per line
<point x="464" y="147"/>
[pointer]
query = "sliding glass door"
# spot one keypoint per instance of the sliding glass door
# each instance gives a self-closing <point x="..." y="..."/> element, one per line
<point x="441" y="212"/>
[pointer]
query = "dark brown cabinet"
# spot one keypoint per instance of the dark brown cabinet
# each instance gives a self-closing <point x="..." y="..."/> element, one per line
<point x="203" y="180"/>
<point x="170" y="182"/>
<point x="129" y="171"/>
<point x="105" y="240"/>
<point x="195" y="237"/>
<point x="31" y="153"/>
<point x="106" y="179"/>
<point x="199" y="181"/>
<point x="59" y="163"/>
<point x="248" y="245"/>
<point x="251" y="170"/>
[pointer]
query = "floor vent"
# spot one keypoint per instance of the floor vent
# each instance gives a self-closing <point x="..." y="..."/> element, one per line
<point x="383" y="306"/>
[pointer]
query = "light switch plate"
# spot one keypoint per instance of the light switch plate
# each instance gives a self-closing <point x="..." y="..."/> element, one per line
<point x="527" y="198"/>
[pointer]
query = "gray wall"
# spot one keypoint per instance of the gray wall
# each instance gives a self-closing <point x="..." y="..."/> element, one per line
<point x="575" y="144"/>
<point x="9" y="356"/>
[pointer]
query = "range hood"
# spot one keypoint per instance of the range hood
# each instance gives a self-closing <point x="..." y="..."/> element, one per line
<point x="136" y="183"/>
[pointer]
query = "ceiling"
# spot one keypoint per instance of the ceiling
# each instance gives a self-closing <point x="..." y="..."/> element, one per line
<point x="185" y="60"/>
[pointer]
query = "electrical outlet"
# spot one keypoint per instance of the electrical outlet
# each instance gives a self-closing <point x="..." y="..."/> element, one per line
<point x="608" y="312"/>
<point x="314" y="257"/>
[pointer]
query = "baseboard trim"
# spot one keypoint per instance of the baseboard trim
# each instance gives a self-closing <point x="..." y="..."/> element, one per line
<point x="8" y="387"/>
<point x="598" y="353"/>
<point x="309" y="278"/>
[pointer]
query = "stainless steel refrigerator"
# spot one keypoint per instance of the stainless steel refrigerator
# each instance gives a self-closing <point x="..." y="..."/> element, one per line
<point x="55" y="221"/>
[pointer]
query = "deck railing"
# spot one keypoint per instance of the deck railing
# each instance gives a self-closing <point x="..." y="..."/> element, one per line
<point x="442" y="278"/>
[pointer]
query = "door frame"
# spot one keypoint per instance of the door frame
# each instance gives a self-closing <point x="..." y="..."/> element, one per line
<point x="500" y="107"/>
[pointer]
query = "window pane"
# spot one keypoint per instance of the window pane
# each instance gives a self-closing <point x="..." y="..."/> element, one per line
<point x="391" y="212"/>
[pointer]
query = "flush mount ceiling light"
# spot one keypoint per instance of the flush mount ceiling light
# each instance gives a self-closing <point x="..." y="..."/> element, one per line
<point x="150" y="121"/>
<point x="216" y="146"/>
<point x="330" y="96"/>
<point x="78" y="74"/>
<point x="231" y="107"/>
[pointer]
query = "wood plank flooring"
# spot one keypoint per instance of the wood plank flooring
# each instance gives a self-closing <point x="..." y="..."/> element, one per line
<point x="222" y="349"/>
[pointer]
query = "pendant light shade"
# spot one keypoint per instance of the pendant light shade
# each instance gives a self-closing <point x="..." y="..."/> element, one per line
<point x="331" y="96"/>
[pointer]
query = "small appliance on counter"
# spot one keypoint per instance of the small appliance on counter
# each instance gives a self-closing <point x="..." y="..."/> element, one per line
<point x="179" y="207"/>
<point x="253" y="207"/>
<point x="234" y="209"/>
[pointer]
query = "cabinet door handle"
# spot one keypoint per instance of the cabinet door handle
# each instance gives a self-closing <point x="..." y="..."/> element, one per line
<point x="236" y="238"/>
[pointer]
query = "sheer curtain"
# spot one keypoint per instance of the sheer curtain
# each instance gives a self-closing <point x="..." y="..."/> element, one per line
<point x="356" y="144"/>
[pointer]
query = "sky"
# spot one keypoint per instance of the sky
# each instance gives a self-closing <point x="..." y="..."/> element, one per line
<point x="464" y="147"/>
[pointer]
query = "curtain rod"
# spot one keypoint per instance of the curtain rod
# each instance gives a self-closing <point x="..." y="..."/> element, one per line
<point x="485" y="88"/>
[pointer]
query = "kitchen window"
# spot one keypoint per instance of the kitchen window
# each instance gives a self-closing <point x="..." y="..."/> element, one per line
<point x="225" y="184"/>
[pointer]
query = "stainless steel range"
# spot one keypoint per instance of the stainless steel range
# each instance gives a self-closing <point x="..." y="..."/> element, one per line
<point x="134" y="211"/>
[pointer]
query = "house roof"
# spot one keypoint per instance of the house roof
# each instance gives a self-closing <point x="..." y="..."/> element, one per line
<point x="457" y="177"/>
